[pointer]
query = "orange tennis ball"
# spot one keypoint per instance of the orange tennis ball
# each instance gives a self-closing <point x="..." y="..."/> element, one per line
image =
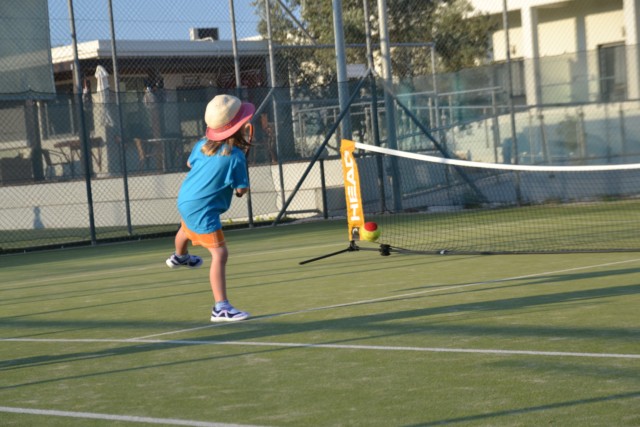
<point x="370" y="232"/>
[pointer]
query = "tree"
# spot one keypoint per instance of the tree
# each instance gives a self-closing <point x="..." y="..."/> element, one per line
<point x="462" y="43"/>
<point x="461" y="38"/>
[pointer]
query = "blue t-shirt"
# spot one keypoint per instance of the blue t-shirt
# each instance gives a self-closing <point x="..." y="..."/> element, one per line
<point x="208" y="188"/>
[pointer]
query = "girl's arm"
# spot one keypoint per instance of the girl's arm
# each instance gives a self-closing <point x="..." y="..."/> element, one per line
<point x="241" y="191"/>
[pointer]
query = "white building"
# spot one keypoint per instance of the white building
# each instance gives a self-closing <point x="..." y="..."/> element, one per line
<point x="600" y="37"/>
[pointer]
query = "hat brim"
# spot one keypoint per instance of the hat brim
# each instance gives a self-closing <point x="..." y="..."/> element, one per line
<point x="244" y="114"/>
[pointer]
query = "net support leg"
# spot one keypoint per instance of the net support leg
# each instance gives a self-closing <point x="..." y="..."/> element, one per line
<point x="352" y="248"/>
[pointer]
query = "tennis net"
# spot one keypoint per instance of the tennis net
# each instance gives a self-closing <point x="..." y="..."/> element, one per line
<point x="430" y="204"/>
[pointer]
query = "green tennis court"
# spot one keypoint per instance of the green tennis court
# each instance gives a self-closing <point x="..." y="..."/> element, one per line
<point x="107" y="335"/>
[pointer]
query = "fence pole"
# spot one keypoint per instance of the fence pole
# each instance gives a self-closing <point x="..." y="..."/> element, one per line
<point x="341" y="66"/>
<point x="385" y="51"/>
<point x="272" y="79"/>
<point x="123" y="145"/>
<point x="512" y="114"/>
<point x="375" y="126"/>
<point x="236" y="66"/>
<point x="86" y="149"/>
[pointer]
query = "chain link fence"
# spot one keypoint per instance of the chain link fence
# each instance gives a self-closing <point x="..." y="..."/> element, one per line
<point x="97" y="149"/>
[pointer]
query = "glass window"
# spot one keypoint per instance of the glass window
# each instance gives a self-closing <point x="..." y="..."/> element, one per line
<point x="612" y="67"/>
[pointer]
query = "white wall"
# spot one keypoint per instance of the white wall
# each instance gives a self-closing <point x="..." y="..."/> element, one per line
<point x="563" y="27"/>
<point x="153" y="199"/>
<point x="496" y="6"/>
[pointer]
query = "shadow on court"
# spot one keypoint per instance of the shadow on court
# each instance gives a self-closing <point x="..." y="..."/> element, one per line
<point x="533" y="409"/>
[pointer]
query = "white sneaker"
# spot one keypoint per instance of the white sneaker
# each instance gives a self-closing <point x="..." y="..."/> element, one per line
<point x="229" y="314"/>
<point x="192" y="262"/>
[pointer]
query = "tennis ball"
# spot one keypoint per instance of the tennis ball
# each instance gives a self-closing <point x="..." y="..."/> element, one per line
<point x="370" y="232"/>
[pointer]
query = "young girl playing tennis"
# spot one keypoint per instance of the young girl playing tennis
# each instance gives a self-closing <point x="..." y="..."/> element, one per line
<point x="218" y="170"/>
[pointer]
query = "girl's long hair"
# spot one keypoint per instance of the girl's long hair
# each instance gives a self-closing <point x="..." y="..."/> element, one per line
<point x="210" y="148"/>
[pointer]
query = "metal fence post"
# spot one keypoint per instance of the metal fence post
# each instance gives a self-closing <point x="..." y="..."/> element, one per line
<point x="86" y="150"/>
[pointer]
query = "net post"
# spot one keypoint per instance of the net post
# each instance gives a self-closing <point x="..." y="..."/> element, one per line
<point x="355" y="215"/>
<point x="353" y="199"/>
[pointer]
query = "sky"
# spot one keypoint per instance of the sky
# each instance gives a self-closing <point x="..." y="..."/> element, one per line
<point x="149" y="19"/>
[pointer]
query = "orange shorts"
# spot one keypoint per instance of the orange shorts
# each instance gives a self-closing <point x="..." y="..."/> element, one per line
<point x="209" y="240"/>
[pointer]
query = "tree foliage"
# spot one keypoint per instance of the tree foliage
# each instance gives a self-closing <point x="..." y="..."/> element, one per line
<point x="461" y="37"/>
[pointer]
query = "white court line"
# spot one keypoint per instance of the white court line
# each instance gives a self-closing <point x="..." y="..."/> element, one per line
<point x="334" y="346"/>
<point x="146" y="340"/>
<point x="112" y="417"/>
<point x="391" y="297"/>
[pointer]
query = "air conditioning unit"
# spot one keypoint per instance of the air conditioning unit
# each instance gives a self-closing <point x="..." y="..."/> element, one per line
<point x="203" y="33"/>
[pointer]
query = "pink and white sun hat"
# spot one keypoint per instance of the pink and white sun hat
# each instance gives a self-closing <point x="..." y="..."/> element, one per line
<point x="225" y="115"/>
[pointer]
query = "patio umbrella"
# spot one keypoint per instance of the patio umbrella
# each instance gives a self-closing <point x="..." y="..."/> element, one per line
<point x="102" y="76"/>
<point x="103" y="95"/>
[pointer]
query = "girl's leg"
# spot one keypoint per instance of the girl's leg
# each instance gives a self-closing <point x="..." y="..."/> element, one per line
<point x="181" y="257"/>
<point x="222" y="311"/>
<point x="217" y="273"/>
<point x="181" y="242"/>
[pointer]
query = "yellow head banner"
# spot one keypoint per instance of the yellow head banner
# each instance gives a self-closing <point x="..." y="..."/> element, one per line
<point x="355" y="215"/>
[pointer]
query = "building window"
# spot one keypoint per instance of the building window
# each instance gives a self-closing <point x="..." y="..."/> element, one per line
<point x="517" y="83"/>
<point x="612" y="67"/>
